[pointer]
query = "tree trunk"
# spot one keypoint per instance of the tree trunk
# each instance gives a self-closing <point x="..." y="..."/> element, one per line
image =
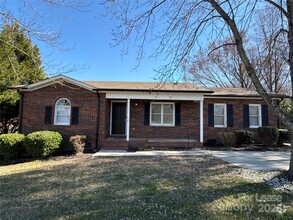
<point x="252" y="72"/>
<point x="290" y="171"/>
<point x="290" y="41"/>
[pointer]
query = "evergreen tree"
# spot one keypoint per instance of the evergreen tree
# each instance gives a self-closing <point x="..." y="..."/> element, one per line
<point x="20" y="64"/>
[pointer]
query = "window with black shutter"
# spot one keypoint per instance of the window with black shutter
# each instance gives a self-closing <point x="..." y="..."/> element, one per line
<point x="255" y="116"/>
<point x="177" y="114"/>
<point x="220" y="115"/>
<point x="75" y="115"/>
<point x="211" y="115"/>
<point x="48" y="115"/>
<point x="245" y="116"/>
<point x="162" y="113"/>
<point x="229" y="115"/>
<point x="264" y="115"/>
<point x="147" y="113"/>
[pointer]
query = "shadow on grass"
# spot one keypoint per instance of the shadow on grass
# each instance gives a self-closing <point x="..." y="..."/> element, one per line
<point x="120" y="188"/>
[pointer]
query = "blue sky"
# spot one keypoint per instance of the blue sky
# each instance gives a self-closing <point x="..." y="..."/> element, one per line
<point x="88" y="37"/>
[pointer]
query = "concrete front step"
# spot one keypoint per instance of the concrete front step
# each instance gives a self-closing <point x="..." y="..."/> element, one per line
<point x="115" y="144"/>
<point x="120" y="153"/>
<point x="125" y="148"/>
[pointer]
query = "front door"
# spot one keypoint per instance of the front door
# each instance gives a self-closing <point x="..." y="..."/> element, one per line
<point x="118" y="117"/>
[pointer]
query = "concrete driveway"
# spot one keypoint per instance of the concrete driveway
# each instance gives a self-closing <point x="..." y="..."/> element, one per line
<point x="269" y="160"/>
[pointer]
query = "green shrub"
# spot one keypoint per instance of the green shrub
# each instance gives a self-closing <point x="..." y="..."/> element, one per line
<point x="284" y="136"/>
<point x="243" y="137"/>
<point x="11" y="145"/>
<point x="42" y="143"/>
<point x="227" y="138"/>
<point x="268" y="135"/>
<point x="78" y="143"/>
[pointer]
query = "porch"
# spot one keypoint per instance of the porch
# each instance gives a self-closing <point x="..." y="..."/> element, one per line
<point x="151" y="120"/>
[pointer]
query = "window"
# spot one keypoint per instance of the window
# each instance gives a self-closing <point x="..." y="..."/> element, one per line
<point x="62" y="112"/>
<point x="220" y="115"/>
<point x="254" y="116"/>
<point x="162" y="114"/>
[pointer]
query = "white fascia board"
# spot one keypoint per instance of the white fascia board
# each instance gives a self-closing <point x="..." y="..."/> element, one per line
<point x="153" y="95"/>
<point x="57" y="79"/>
<point x="230" y="97"/>
<point x="238" y="97"/>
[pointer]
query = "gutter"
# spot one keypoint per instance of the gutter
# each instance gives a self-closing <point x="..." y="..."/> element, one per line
<point x="20" y="111"/>
<point x="98" y="122"/>
<point x="150" y="91"/>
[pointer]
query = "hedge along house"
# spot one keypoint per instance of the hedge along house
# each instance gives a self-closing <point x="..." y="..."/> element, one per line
<point x="120" y="115"/>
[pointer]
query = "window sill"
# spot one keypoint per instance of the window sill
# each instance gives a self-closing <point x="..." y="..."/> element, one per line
<point x="254" y="126"/>
<point x="159" y="125"/>
<point x="61" y="124"/>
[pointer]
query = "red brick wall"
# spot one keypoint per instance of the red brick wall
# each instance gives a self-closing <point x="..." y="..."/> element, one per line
<point x="33" y="116"/>
<point x="212" y="132"/>
<point x="189" y="127"/>
<point x="34" y="104"/>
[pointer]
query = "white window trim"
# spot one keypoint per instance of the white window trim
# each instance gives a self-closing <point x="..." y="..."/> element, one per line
<point x="259" y="118"/>
<point x="162" y="114"/>
<point x="225" y="115"/>
<point x="55" y="113"/>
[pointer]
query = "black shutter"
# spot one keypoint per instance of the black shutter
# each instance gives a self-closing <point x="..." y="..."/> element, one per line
<point x="245" y="116"/>
<point x="48" y="115"/>
<point x="229" y="115"/>
<point x="75" y="115"/>
<point x="264" y="115"/>
<point x="177" y="114"/>
<point x="211" y="115"/>
<point x="147" y="113"/>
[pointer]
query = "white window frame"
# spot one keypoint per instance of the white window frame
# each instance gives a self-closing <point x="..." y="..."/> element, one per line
<point x="162" y="113"/>
<point x="225" y="115"/>
<point x="55" y="113"/>
<point x="259" y="116"/>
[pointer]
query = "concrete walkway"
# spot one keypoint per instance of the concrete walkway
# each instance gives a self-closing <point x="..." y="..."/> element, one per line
<point x="269" y="160"/>
<point x="117" y="153"/>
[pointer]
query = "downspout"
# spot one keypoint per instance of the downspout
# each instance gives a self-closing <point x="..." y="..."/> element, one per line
<point x="20" y="111"/>
<point x="98" y="122"/>
<point x="278" y="120"/>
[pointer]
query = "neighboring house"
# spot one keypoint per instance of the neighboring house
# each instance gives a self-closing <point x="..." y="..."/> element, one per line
<point x="118" y="115"/>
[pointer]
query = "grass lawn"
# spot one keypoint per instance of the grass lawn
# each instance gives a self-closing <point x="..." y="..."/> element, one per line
<point x="199" y="187"/>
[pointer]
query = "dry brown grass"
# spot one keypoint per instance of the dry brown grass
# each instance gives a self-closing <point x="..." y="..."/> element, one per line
<point x="83" y="187"/>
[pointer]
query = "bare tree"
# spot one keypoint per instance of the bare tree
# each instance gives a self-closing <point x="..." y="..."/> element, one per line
<point x="271" y="44"/>
<point x="219" y="68"/>
<point x="180" y="28"/>
<point x="35" y="23"/>
<point x="40" y="26"/>
<point x="222" y="67"/>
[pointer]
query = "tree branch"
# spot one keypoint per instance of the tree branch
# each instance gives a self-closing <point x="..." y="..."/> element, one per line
<point x="278" y="7"/>
<point x="223" y="45"/>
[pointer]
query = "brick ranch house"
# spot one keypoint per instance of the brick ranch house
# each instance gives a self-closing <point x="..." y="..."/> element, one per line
<point x="119" y="115"/>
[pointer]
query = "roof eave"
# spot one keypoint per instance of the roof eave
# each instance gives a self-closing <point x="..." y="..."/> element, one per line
<point x="146" y="90"/>
<point x="246" y="96"/>
<point x="53" y="80"/>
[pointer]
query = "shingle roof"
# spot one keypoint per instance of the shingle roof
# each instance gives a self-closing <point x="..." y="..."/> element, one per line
<point x="244" y="92"/>
<point x="147" y="86"/>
